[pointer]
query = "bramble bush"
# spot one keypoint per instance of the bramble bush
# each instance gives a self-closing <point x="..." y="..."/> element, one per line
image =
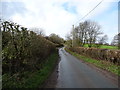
<point x="22" y="49"/>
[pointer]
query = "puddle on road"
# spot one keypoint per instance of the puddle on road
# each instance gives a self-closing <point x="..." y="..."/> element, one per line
<point x="58" y="69"/>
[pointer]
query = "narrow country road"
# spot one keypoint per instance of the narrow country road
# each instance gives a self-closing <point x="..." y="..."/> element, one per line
<point x="73" y="73"/>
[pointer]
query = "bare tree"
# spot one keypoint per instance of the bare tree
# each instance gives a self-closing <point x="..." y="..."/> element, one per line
<point x="38" y="31"/>
<point x="86" y="32"/>
<point x="69" y="40"/>
<point x="93" y="32"/>
<point x="103" y="39"/>
<point x="80" y="34"/>
<point x="116" y="40"/>
<point x="75" y="36"/>
<point x="83" y="32"/>
<point x="69" y="36"/>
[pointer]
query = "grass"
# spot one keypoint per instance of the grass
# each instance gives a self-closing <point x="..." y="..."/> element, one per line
<point x="33" y="79"/>
<point x="104" y="46"/>
<point x="99" y="63"/>
<point x="108" y="47"/>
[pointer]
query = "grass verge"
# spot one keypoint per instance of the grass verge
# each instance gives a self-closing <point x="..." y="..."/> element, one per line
<point x="99" y="63"/>
<point x="33" y="79"/>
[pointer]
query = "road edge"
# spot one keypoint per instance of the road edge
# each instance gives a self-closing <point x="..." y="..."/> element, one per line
<point x="111" y="76"/>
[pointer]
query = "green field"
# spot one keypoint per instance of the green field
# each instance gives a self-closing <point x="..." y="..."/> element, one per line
<point x="104" y="46"/>
<point x="109" y="47"/>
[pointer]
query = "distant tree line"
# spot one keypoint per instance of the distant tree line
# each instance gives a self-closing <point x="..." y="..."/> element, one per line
<point x="87" y="32"/>
<point x="116" y="40"/>
<point x="56" y="39"/>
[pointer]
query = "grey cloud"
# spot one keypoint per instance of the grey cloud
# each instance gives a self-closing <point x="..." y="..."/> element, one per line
<point x="10" y="8"/>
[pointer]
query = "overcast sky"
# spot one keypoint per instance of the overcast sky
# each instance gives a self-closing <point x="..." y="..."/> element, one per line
<point x="58" y="16"/>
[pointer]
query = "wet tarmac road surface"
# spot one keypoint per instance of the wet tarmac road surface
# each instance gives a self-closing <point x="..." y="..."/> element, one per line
<point x="73" y="73"/>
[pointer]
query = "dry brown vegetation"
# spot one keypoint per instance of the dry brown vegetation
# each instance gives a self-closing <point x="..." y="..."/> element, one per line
<point x="100" y="54"/>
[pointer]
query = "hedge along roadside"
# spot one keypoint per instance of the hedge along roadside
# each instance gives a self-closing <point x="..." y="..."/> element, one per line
<point x="98" y="63"/>
<point x="100" y="54"/>
<point x="22" y="49"/>
<point x="24" y="52"/>
<point x="34" y="79"/>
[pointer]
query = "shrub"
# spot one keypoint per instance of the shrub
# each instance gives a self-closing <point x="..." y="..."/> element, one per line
<point x="23" y="50"/>
<point x="100" y="54"/>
